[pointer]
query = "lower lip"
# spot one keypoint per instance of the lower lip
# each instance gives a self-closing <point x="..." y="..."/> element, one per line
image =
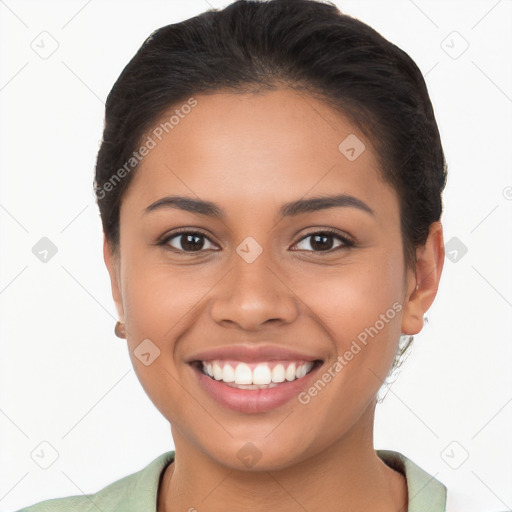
<point x="253" y="400"/>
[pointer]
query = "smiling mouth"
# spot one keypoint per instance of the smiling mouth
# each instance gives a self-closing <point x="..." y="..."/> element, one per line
<point x="261" y="375"/>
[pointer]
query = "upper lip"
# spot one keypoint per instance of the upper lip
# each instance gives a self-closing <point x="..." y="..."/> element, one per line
<point x="251" y="353"/>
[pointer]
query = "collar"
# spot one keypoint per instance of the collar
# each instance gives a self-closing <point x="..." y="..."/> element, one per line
<point x="426" y="494"/>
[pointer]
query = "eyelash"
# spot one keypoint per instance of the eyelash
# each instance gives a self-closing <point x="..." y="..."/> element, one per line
<point x="347" y="242"/>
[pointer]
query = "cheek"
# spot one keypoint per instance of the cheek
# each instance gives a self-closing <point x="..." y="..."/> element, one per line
<point x="158" y="297"/>
<point x="160" y="305"/>
<point x="352" y="297"/>
<point x="359" y="305"/>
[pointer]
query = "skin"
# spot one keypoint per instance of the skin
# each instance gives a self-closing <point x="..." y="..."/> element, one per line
<point x="249" y="154"/>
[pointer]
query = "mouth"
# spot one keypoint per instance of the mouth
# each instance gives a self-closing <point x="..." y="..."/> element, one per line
<point x="254" y="386"/>
<point x="261" y="375"/>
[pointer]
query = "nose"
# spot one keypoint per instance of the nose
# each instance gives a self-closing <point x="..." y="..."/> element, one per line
<point x="253" y="295"/>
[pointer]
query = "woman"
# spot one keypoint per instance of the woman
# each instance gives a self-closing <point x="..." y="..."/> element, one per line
<point x="269" y="183"/>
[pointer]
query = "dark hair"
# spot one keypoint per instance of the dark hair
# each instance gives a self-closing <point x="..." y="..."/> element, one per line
<point x="307" y="45"/>
<point x="304" y="44"/>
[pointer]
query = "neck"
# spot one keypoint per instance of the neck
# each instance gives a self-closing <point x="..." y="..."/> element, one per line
<point x="347" y="476"/>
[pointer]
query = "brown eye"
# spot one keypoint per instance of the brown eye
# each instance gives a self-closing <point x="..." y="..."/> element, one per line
<point x="188" y="241"/>
<point x="323" y="241"/>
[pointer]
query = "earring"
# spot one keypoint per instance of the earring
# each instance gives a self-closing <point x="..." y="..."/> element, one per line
<point x="120" y="330"/>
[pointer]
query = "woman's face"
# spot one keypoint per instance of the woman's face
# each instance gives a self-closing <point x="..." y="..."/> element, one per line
<point x="259" y="291"/>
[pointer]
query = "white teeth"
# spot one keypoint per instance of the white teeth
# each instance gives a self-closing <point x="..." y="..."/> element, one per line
<point x="217" y="371"/>
<point x="262" y="375"/>
<point x="243" y="374"/>
<point x="290" y="372"/>
<point x="228" y="374"/>
<point x="303" y="369"/>
<point x="278" y="373"/>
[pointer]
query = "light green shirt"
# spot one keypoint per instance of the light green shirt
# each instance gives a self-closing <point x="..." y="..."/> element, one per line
<point x="138" y="492"/>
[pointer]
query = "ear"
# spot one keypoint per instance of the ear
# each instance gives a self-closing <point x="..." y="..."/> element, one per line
<point x="423" y="282"/>
<point x="112" y="263"/>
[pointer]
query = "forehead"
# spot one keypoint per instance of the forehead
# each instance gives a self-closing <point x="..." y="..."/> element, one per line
<point x="257" y="148"/>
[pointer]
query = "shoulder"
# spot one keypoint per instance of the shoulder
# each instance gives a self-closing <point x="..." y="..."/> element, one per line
<point x="426" y="493"/>
<point x="137" y="491"/>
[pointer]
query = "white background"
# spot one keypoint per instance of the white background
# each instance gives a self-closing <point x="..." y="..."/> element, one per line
<point x="67" y="380"/>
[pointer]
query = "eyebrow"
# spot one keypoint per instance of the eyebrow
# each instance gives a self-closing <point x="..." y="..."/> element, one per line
<point x="290" y="209"/>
